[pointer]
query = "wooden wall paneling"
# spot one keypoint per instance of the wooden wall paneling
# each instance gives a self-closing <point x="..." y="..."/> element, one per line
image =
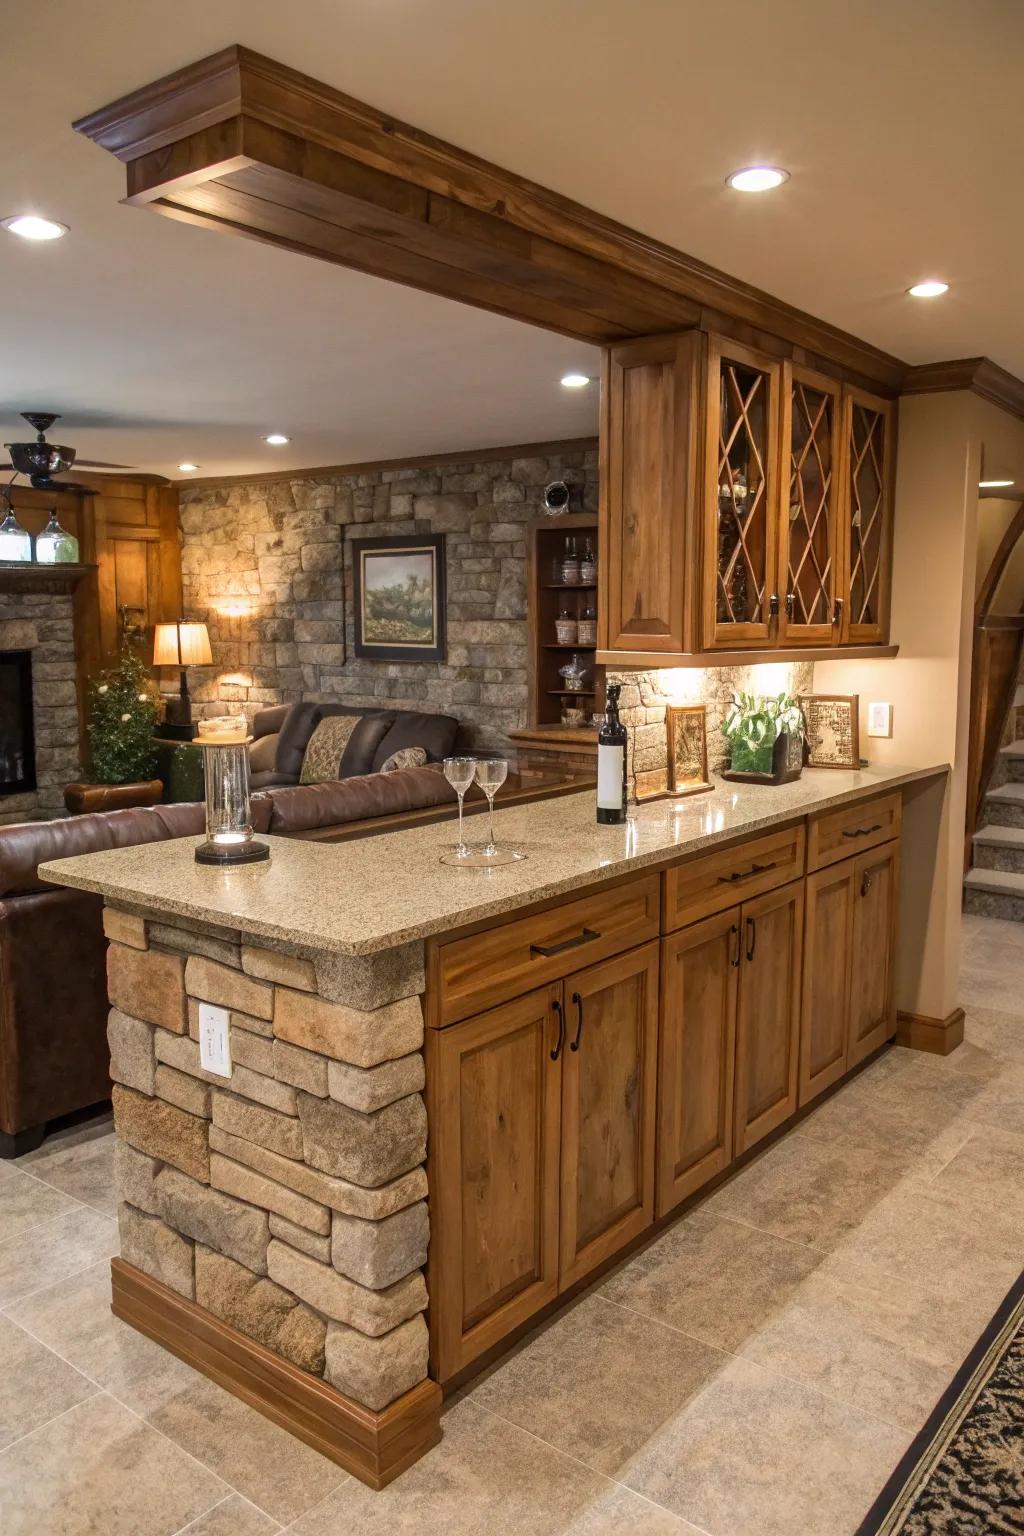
<point x="696" y="1054"/>
<point x="649" y="538"/>
<point x="768" y="1015"/>
<point x="609" y="1087"/>
<point x="872" y="1019"/>
<point x="494" y="1103"/>
<point x="825" y="1013"/>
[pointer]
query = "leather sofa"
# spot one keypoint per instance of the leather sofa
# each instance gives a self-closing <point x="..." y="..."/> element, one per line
<point x="281" y="736"/>
<point x="53" y="992"/>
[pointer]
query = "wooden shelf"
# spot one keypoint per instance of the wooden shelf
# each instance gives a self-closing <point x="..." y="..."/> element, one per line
<point x="41" y="576"/>
<point x="568" y="586"/>
<point x="572" y="693"/>
<point x="556" y="645"/>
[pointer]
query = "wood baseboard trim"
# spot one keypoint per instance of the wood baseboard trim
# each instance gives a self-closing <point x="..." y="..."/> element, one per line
<point x="920" y="1033"/>
<point x="374" y="1447"/>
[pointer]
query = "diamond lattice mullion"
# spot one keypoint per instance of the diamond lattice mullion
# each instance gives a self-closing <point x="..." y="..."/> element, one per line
<point x="811" y="522"/>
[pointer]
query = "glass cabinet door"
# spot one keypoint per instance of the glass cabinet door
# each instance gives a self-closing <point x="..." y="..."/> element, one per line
<point x="741" y="500"/>
<point x="810" y="443"/>
<point x="868" y="446"/>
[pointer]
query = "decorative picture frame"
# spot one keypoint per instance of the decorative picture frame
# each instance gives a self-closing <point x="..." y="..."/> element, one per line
<point x="832" y="722"/>
<point x="687" y="731"/>
<point x="399" y="592"/>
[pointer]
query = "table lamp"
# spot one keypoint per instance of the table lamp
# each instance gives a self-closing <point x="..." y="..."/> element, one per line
<point x="182" y="644"/>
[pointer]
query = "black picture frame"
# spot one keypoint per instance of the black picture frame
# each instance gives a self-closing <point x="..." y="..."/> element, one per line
<point x="372" y="640"/>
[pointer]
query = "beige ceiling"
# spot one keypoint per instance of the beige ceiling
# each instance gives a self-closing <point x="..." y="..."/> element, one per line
<point x="899" y="120"/>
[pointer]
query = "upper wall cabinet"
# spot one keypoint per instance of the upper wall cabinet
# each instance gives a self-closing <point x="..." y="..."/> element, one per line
<point x="746" y="502"/>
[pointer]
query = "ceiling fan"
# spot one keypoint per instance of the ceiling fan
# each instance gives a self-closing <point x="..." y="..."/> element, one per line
<point x="41" y="460"/>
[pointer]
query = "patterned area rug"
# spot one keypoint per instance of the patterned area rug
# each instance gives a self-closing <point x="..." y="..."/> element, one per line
<point x="964" y="1473"/>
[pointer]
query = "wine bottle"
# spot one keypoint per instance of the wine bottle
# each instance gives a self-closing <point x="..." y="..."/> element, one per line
<point x="611" y="763"/>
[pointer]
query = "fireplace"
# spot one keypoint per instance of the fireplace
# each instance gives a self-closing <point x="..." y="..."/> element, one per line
<point x="17" y="748"/>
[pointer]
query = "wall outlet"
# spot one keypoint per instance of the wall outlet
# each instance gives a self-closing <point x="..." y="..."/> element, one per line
<point x="214" y="1039"/>
<point x="879" y="719"/>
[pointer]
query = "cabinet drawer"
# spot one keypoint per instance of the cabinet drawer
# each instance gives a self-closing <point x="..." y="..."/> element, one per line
<point x="713" y="881"/>
<point x="852" y="829"/>
<point x="489" y="967"/>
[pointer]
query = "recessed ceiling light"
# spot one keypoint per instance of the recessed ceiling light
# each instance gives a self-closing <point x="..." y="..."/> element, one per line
<point x="276" y="439"/>
<point x="30" y="227"/>
<point x="575" y="380"/>
<point x="187" y="467"/>
<point x="757" y="178"/>
<point x="931" y="288"/>
<point x="993" y="485"/>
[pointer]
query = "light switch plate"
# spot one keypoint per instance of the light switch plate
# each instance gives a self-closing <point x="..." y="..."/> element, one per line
<point x="879" y="719"/>
<point x="214" y="1039"/>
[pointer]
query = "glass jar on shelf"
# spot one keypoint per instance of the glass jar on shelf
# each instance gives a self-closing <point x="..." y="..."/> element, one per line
<point x="570" y="576"/>
<point x="586" y="626"/>
<point x="573" y="674"/>
<point x="15" y="541"/>
<point x="55" y="546"/>
<point x="566" y="628"/>
<point x="588" y="565"/>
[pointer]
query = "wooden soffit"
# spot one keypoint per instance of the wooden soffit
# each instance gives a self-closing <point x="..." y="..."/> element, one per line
<point x="980" y="375"/>
<point x="240" y="143"/>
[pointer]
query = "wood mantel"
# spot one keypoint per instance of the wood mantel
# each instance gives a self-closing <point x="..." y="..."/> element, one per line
<point x="33" y="576"/>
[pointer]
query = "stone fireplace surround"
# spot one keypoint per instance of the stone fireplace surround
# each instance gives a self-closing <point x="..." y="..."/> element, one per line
<point x="43" y="623"/>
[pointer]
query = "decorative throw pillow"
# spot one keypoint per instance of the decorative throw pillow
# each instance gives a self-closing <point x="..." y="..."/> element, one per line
<point x="405" y="757"/>
<point x="325" y="749"/>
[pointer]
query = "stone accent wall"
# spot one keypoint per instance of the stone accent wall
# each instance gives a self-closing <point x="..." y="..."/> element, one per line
<point x="646" y="695"/>
<point x="268" y="566"/>
<point x="290" y="1199"/>
<point x="43" y="624"/>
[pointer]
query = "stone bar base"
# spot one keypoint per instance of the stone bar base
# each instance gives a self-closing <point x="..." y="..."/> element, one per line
<point x="375" y="1447"/>
<point x="287" y="1202"/>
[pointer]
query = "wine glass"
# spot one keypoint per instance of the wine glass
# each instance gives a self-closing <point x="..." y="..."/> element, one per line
<point x="491" y="773"/>
<point x="459" y="773"/>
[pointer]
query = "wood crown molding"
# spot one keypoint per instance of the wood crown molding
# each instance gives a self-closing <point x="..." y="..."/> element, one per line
<point x="244" y="144"/>
<point x="375" y="466"/>
<point x="374" y="1447"/>
<point x="979" y="375"/>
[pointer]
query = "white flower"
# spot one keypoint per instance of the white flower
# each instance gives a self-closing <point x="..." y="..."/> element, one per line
<point x="126" y="717"/>
<point x="102" y="688"/>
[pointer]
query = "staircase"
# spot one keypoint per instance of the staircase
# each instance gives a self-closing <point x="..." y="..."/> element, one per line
<point x="995" y="885"/>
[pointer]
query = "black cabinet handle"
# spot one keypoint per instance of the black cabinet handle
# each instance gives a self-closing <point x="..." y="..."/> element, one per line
<point x="773" y="606"/>
<point x="735" y="930"/>
<point x="747" y="874"/>
<point x="556" y="1005"/>
<point x="586" y="937"/>
<point x="864" y="831"/>
<point x="751" y="937"/>
<point x="790" y="604"/>
<point x="837" y="611"/>
<point x="579" y="1021"/>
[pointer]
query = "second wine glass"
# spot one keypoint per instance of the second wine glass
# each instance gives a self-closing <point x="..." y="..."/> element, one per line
<point x="491" y="773"/>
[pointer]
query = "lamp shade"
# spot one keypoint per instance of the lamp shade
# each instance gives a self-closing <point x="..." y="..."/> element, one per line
<point x="181" y="645"/>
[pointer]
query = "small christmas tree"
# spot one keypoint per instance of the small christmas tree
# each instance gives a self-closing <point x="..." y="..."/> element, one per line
<point x="123" y="708"/>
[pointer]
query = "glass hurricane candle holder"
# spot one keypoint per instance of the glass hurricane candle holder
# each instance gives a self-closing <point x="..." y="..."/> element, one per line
<point x="229" y="833"/>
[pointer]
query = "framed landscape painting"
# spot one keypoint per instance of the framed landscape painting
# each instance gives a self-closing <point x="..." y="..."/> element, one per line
<point x="399" y="597"/>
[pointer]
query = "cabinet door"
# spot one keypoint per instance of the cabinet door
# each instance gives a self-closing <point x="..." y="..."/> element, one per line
<point x="768" y="1015"/>
<point x="741" y="496"/>
<point x="869" y="433"/>
<point x="648" y="486"/>
<point x="808" y="531"/>
<point x="494" y="1096"/>
<point x="696" y="1050"/>
<point x="608" y="1109"/>
<point x="872" y="957"/>
<point x="824" y="1027"/>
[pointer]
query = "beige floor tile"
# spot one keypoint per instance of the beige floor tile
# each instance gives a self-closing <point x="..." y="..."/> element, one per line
<point x="559" y="1385"/>
<point x="35" y="1385"/>
<point x="889" y="1350"/>
<point x="99" y="1469"/>
<point x="755" y="1455"/>
<point x="85" y="1172"/>
<point x="915" y="1118"/>
<point x="49" y="1252"/>
<point x="74" y="1318"/>
<point x="234" y="1517"/>
<point x="488" y="1478"/>
<point x="714" y="1279"/>
<point x="1001" y="1102"/>
<point x="988" y="1169"/>
<point x="92" y="1130"/>
<point x="996" y="1032"/>
<point x="261" y="1461"/>
<point x="25" y="1203"/>
<point x="809" y="1191"/>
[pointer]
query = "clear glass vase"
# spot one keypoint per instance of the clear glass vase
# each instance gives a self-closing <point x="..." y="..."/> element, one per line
<point x="55" y="546"/>
<point x="15" y="542"/>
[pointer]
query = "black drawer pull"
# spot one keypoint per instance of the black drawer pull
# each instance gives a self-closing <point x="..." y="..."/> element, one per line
<point x="579" y="1021"/>
<point x="556" y="1005"/>
<point x="751" y="937"/>
<point x="864" y="831"/>
<point x="735" y="932"/>
<point x="747" y="874"/>
<point x="586" y="937"/>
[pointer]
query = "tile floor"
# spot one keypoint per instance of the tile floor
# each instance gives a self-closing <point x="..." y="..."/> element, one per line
<point x="757" y="1370"/>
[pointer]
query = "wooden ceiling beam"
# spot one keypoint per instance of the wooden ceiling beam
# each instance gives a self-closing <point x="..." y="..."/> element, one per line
<point x="239" y="142"/>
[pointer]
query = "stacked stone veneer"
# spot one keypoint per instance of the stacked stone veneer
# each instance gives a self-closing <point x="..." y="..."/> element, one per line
<point x="268" y="565"/>
<point x="290" y="1199"/>
<point x="43" y="623"/>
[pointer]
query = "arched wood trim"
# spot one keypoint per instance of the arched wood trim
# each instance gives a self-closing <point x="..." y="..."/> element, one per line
<point x="1000" y="560"/>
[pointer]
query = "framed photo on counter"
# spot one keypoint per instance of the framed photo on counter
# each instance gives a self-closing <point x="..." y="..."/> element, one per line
<point x="686" y="725"/>
<point x="832" y="723"/>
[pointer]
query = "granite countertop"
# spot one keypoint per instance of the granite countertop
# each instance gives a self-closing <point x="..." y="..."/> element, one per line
<point x="374" y="893"/>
